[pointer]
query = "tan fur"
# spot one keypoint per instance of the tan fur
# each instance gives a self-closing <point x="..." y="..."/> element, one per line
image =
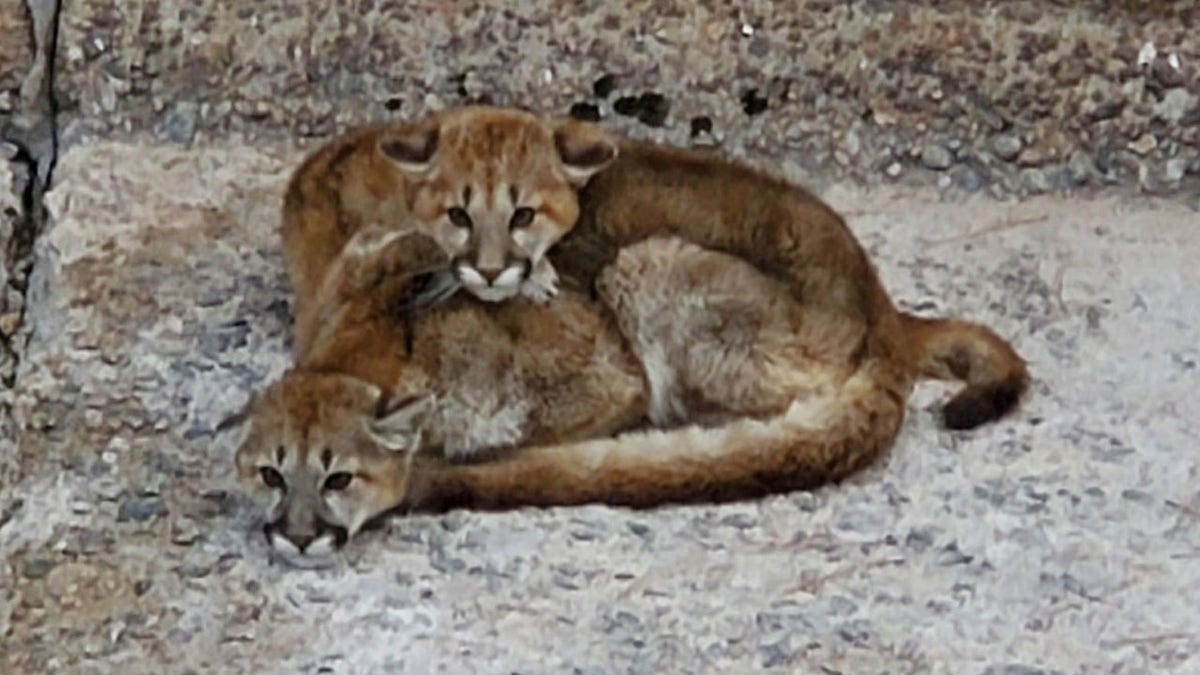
<point x="546" y="374"/>
<point x="758" y="315"/>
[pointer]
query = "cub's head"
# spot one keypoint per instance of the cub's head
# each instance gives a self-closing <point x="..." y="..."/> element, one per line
<point x="324" y="454"/>
<point x="496" y="187"/>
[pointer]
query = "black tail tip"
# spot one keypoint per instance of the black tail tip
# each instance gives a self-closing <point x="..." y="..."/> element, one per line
<point x="975" y="406"/>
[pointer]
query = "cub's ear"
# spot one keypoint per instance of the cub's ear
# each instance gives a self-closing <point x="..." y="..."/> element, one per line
<point x="584" y="149"/>
<point x="412" y="147"/>
<point x="399" y="421"/>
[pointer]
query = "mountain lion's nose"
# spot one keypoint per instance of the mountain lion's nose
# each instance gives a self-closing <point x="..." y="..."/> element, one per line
<point x="489" y="275"/>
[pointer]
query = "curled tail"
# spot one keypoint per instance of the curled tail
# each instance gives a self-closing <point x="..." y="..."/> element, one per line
<point x="817" y="440"/>
<point x="995" y="375"/>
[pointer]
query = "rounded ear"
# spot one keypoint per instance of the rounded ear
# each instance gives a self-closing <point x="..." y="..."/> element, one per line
<point x="412" y="147"/>
<point x="399" y="421"/>
<point x="584" y="149"/>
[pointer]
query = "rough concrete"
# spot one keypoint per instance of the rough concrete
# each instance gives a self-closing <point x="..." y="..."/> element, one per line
<point x="1061" y="540"/>
<point x="1019" y="97"/>
<point x="16" y="52"/>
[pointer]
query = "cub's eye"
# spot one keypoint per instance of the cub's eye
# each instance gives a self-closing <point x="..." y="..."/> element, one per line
<point x="272" y="478"/>
<point x="460" y="217"/>
<point x="338" y="481"/>
<point x="522" y="217"/>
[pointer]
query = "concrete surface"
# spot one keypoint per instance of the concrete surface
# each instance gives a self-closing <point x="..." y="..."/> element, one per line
<point x="16" y="52"/>
<point x="1064" y="539"/>
<point x="1014" y="97"/>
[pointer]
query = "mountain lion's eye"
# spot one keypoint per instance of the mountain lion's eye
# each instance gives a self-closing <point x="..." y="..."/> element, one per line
<point x="272" y="478"/>
<point x="460" y="217"/>
<point x="522" y="217"/>
<point x="338" y="481"/>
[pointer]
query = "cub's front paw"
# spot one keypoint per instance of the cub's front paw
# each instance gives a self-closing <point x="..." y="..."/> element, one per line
<point x="542" y="283"/>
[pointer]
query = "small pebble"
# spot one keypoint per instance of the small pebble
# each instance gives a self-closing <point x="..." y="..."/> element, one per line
<point x="1175" y="104"/>
<point x="1006" y="146"/>
<point x="37" y="568"/>
<point x="184" y="532"/>
<point x="1176" y="168"/>
<point x="179" y="125"/>
<point x="141" y="509"/>
<point x="935" y="156"/>
<point x="1144" y="145"/>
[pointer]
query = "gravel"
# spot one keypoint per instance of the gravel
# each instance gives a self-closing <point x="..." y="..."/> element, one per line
<point x="1028" y="83"/>
<point x="1020" y="545"/>
<point x="1061" y="540"/>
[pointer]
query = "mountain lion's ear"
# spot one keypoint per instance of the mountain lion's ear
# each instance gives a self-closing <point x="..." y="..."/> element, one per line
<point x="412" y="147"/>
<point x="399" y="421"/>
<point x="584" y="149"/>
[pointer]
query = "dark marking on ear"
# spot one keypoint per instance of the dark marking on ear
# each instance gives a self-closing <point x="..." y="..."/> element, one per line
<point x="583" y="150"/>
<point x="326" y="458"/>
<point x="279" y="454"/>
<point x="415" y="146"/>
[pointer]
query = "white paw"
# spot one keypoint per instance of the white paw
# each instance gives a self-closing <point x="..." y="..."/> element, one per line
<point x="542" y="283"/>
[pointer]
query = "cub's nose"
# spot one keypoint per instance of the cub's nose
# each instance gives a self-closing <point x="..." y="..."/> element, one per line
<point x="489" y="275"/>
<point x="301" y="540"/>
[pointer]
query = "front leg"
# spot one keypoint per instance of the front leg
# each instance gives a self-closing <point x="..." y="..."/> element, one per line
<point x="542" y="283"/>
<point x="387" y="266"/>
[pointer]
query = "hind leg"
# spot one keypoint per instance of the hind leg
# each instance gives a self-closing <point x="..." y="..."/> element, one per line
<point x="716" y="337"/>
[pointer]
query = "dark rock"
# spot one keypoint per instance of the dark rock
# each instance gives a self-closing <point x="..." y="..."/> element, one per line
<point x="919" y="539"/>
<point x="586" y="112"/>
<point x="628" y="106"/>
<point x="1107" y="110"/>
<point x="141" y="509"/>
<point x="604" y="86"/>
<point x="653" y="109"/>
<point x="701" y="125"/>
<point x="37" y="568"/>
<point x="752" y="103"/>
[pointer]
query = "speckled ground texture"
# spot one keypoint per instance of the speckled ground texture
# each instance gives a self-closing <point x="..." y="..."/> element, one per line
<point x="1065" y="539"/>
